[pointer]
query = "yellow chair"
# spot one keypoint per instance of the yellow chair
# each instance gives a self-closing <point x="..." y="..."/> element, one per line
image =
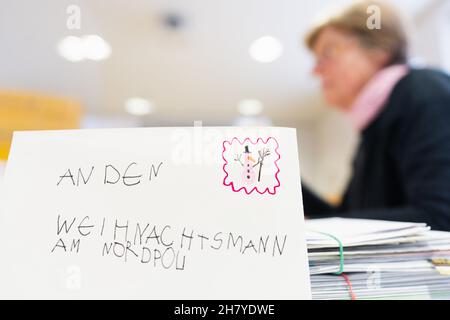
<point x="29" y="111"/>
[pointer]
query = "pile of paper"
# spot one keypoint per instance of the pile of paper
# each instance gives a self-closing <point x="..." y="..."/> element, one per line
<point x="370" y="259"/>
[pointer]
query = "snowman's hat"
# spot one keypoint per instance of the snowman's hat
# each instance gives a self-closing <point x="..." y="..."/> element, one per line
<point x="246" y="150"/>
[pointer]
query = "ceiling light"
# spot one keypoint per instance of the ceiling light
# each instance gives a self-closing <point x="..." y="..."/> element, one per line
<point x="139" y="106"/>
<point x="96" y="48"/>
<point x="250" y="107"/>
<point x="71" y="48"/>
<point x="92" y="47"/>
<point x="266" y="49"/>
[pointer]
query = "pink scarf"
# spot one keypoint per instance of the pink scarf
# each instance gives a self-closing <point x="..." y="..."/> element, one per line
<point x="375" y="95"/>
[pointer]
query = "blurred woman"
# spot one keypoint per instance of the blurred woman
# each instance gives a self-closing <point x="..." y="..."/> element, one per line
<point x="401" y="170"/>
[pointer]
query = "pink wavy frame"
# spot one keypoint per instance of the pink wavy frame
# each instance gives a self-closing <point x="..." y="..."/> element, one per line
<point x="267" y="190"/>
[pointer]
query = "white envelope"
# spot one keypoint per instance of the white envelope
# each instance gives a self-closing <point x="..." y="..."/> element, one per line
<point x="154" y="213"/>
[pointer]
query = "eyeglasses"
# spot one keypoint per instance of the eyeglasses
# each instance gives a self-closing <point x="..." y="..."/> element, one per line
<point x="332" y="50"/>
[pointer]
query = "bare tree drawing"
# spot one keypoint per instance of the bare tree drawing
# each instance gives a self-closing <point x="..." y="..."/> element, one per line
<point x="262" y="155"/>
<point x="238" y="158"/>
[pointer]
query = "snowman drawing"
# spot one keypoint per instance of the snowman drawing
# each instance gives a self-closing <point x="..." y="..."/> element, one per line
<point x="248" y="174"/>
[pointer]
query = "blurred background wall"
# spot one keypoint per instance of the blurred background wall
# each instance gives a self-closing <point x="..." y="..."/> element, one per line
<point x="117" y="63"/>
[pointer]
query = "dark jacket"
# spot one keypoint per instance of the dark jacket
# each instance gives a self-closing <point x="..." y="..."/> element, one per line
<point x="401" y="171"/>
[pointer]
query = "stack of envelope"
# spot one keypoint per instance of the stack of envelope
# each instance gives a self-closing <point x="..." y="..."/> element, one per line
<point x="371" y="259"/>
